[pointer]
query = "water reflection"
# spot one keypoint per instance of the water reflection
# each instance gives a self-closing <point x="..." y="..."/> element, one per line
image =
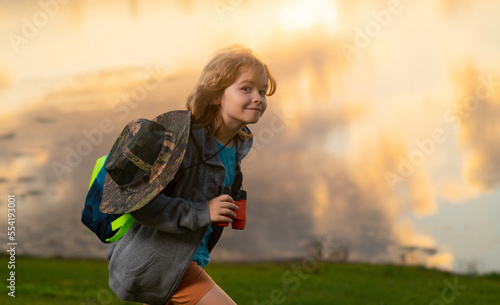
<point x="355" y="162"/>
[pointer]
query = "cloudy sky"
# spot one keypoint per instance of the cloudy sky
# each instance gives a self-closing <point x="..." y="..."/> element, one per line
<point x="383" y="131"/>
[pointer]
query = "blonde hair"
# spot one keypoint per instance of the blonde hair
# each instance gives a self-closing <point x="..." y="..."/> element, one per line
<point x="221" y="72"/>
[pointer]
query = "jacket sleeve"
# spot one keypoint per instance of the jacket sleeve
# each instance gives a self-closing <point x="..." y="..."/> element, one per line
<point x="173" y="215"/>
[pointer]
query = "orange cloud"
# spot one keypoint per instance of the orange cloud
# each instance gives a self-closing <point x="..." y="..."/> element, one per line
<point x="477" y="112"/>
<point x="457" y="190"/>
<point x="5" y="82"/>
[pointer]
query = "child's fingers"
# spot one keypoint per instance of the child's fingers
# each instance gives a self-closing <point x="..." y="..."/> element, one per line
<point x="221" y="209"/>
<point x="224" y="215"/>
<point x="223" y="218"/>
<point x="228" y="212"/>
<point x="225" y="197"/>
<point x="229" y="205"/>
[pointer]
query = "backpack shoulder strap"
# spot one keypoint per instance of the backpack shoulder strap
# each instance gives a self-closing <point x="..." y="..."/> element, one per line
<point x="122" y="224"/>
<point x="99" y="164"/>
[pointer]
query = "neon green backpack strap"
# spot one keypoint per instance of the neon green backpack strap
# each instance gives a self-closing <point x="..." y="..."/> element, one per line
<point x="98" y="165"/>
<point x="122" y="223"/>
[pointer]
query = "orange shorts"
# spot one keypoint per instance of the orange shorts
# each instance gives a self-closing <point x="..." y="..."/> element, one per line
<point x="193" y="286"/>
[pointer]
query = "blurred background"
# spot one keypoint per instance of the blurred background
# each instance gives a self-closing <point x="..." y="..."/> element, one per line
<point x="380" y="145"/>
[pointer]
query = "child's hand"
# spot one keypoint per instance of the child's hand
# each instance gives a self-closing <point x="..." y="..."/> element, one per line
<point x="221" y="208"/>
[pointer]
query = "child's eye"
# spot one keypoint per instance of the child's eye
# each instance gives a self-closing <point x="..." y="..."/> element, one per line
<point x="247" y="89"/>
<point x="262" y="92"/>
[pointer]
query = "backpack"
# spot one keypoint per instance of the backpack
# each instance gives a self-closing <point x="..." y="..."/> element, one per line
<point x="108" y="227"/>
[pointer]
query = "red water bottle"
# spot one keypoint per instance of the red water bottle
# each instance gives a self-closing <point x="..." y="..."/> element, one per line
<point x="241" y="214"/>
<point x="224" y="190"/>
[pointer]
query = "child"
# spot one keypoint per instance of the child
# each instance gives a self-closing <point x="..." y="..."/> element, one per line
<point x="160" y="258"/>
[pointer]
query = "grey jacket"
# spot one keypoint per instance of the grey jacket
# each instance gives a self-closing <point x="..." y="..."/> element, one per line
<point x="147" y="264"/>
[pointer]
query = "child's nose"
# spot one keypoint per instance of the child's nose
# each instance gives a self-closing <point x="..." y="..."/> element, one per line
<point x="257" y="98"/>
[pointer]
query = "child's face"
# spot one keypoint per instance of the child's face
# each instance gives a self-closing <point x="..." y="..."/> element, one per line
<point x="244" y="101"/>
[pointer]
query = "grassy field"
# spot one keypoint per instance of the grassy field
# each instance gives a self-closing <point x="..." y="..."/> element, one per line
<point x="84" y="282"/>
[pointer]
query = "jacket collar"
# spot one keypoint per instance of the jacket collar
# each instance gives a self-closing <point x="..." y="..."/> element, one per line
<point x="208" y="146"/>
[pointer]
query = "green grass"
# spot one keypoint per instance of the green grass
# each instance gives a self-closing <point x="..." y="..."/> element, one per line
<point x="85" y="282"/>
